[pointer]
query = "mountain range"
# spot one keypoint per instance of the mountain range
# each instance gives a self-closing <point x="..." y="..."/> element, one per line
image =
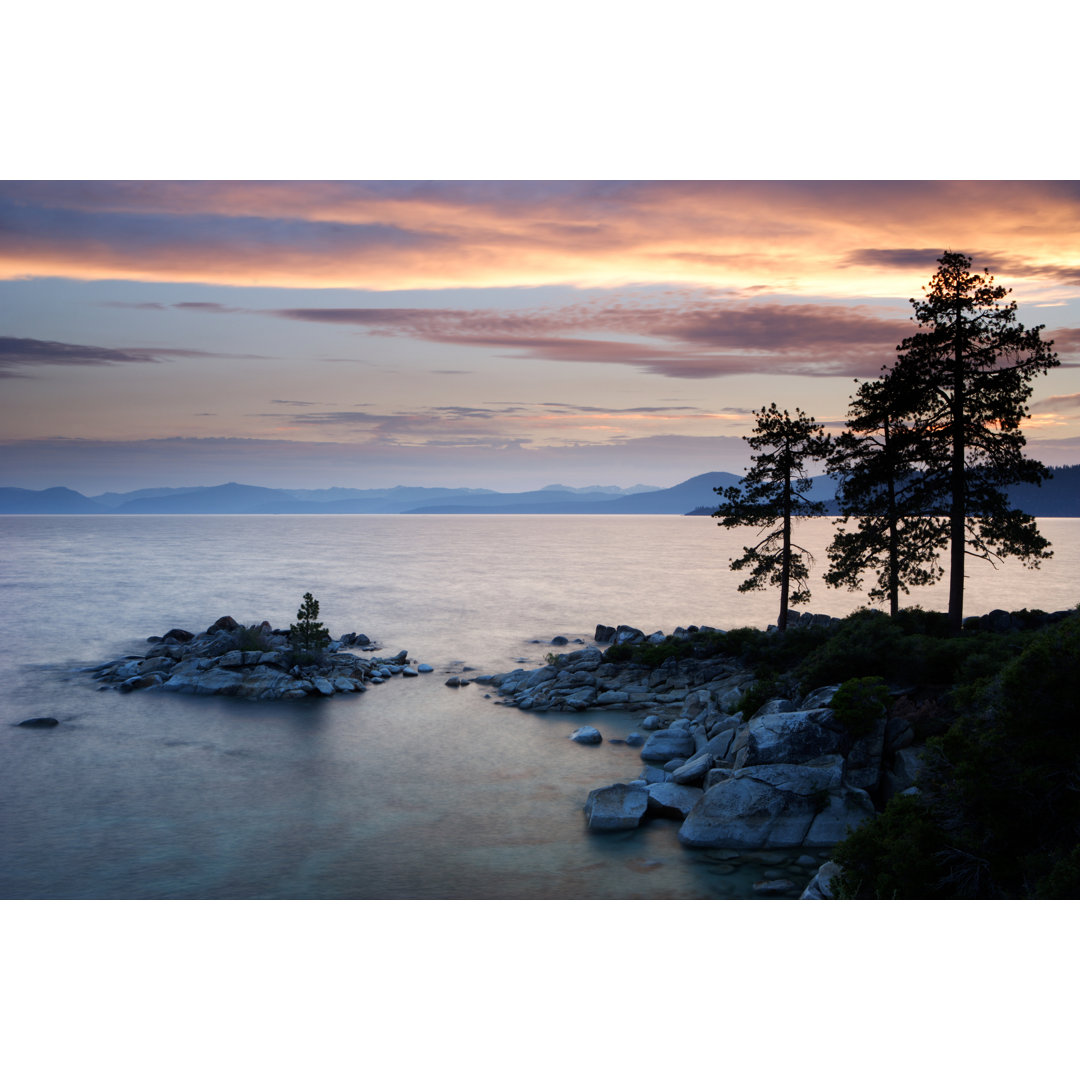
<point x="1058" y="497"/>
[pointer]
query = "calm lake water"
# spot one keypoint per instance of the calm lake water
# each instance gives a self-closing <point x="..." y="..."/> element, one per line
<point x="412" y="790"/>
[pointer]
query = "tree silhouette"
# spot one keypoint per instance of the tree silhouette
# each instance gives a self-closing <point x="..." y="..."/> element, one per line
<point x="962" y="383"/>
<point x="307" y="633"/>
<point x="771" y="495"/>
<point x="880" y="486"/>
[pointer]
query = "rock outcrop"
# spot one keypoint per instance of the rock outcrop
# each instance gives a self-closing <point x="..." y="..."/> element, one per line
<point x="790" y="776"/>
<point x="253" y="662"/>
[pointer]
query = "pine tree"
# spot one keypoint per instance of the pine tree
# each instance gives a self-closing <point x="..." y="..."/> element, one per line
<point x="962" y="382"/>
<point x="771" y="495"/>
<point x="308" y="634"/>
<point x="876" y="464"/>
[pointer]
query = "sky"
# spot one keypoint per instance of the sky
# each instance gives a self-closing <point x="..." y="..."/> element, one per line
<point x="505" y="335"/>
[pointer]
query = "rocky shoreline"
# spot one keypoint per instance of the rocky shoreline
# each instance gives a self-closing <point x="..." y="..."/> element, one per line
<point x="782" y="785"/>
<point x="791" y="776"/>
<point x="255" y="662"/>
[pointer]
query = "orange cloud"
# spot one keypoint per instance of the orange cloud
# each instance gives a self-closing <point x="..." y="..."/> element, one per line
<point x="812" y="238"/>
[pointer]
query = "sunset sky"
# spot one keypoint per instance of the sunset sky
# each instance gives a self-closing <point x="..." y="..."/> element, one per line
<point x="504" y="335"/>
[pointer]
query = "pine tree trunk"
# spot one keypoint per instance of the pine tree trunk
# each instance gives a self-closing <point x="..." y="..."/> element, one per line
<point x="785" y="556"/>
<point x="958" y="507"/>
<point x="894" y="539"/>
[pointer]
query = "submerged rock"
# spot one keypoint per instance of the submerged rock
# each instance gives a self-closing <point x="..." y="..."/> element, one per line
<point x="39" y="722"/>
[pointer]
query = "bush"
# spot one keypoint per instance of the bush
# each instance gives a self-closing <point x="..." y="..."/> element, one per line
<point x="893" y="857"/>
<point x="999" y="812"/>
<point x="859" y="702"/>
<point x="253" y="638"/>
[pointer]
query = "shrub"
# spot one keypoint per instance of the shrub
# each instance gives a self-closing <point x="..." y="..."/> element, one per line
<point x="253" y="638"/>
<point x="858" y="702"/>
<point x="999" y="813"/>
<point x="895" y="856"/>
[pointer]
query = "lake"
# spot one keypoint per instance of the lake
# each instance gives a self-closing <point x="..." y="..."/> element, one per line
<point x="412" y="790"/>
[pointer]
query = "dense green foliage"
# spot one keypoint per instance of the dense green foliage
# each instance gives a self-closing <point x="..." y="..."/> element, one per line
<point x="998" y="813"/>
<point x="858" y="701"/>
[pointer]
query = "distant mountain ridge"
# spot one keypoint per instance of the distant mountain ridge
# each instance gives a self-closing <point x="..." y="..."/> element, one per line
<point x="1058" y="497"/>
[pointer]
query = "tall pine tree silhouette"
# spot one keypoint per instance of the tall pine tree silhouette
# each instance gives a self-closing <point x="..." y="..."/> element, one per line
<point x="771" y="495"/>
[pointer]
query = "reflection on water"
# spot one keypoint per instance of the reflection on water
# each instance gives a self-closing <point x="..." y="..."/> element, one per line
<point x="412" y="790"/>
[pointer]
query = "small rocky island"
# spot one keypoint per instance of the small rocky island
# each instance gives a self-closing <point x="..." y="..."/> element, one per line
<point x="255" y="662"/>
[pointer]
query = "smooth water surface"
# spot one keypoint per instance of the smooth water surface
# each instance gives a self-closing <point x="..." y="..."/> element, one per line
<point x="412" y="790"/>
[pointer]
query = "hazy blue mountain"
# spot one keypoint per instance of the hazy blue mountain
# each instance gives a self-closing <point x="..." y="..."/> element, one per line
<point x="55" y="500"/>
<point x="1058" y="497"/>
<point x="113" y="499"/>
<point x="675" y="500"/>
<point x="223" y="499"/>
<point x="389" y="496"/>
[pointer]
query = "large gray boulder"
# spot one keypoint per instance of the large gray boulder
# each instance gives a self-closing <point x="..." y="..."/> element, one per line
<point x="847" y="810"/>
<point x="694" y="771"/>
<point x="777" y="805"/>
<point x="618" y="806"/>
<point x="821" y="886"/>
<point x="211" y="681"/>
<point x="747" y="814"/>
<point x="668" y="744"/>
<point x="672" y="800"/>
<point x="791" y="737"/>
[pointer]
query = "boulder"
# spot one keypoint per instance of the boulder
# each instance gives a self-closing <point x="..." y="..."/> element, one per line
<point x="847" y="810"/>
<point x="907" y="766"/>
<point x="694" y="771"/>
<point x="587" y="659"/>
<point x="789" y="737"/>
<point x="820" y="698"/>
<point x="635" y="738"/>
<point x="587" y="735"/>
<point x="558" y="639"/>
<point x="210" y="681"/>
<point x="603" y="633"/>
<point x="618" y="806"/>
<point x="667" y="744"/>
<point x="776" y="806"/>
<point x="821" y="886"/>
<point x="628" y="635"/>
<point x="744" y="813"/>
<point x="426" y="669"/>
<point x="672" y="800"/>
<point x="537" y="678"/>
<point x="226" y="622"/>
<point x="179" y="636"/>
